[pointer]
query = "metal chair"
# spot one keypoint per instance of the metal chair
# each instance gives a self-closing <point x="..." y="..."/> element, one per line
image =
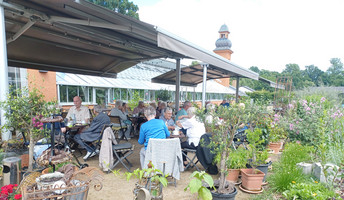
<point x="117" y="126"/>
<point x="97" y="143"/>
<point x="121" y="152"/>
<point x="165" y="155"/>
<point x="192" y="162"/>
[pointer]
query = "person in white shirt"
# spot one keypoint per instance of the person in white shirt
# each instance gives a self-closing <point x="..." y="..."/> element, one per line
<point x="194" y="130"/>
<point x="81" y="113"/>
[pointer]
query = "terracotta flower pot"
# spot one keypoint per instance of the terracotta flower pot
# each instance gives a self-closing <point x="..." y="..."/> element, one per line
<point x="45" y="171"/>
<point x="275" y="146"/>
<point x="233" y="175"/>
<point x="252" y="180"/>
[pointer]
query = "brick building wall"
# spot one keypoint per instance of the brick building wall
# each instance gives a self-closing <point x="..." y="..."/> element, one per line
<point x="44" y="82"/>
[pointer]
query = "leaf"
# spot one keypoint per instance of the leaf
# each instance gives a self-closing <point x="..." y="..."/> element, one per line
<point x="195" y="185"/>
<point x="163" y="181"/>
<point x="205" y="194"/>
<point x="208" y="179"/>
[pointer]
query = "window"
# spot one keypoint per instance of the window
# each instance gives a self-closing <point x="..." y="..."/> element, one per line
<point x="72" y="92"/>
<point x="124" y="95"/>
<point x="101" y="96"/>
<point x="68" y="92"/>
<point x="152" y="95"/>
<point x="63" y="93"/>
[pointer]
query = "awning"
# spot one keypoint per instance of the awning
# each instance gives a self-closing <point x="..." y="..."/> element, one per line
<point x="77" y="37"/>
<point x="216" y="63"/>
<point x="191" y="76"/>
<point x="80" y="37"/>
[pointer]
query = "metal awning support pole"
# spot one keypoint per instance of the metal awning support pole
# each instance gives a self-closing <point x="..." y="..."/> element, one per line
<point x="3" y="70"/>
<point x="204" y="86"/>
<point x="237" y="90"/>
<point x="177" y="84"/>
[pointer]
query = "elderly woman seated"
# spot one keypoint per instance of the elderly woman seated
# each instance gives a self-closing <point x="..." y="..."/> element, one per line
<point x="93" y="132"/>
<point x="153" y="128"/>
<point x="167" y="118"/>
<point x="194" y="130"/>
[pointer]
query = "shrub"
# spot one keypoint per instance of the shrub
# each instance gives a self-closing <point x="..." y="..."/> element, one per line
<point x="309" y="190"/>
<point x="286" y="171"/>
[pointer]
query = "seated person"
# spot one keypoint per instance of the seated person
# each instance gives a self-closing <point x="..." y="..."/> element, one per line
<point x="224" y="103"/>
<point x="167" y="118"/>
<point x="153" y="128"/>
<point x="93" y="132"/>
<point x="126" y="108"/>
<point x="159" y="110"/>
<point x="194" y="131"/>
<point x="181" y="114"/>
<point x="80" y="112"/>
<point x="139" y="109"/>
<point x="119" y="111"/>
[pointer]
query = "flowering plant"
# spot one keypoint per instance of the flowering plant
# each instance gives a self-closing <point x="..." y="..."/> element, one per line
<point x="8" y="192"/>
<point x="23" y="110"/>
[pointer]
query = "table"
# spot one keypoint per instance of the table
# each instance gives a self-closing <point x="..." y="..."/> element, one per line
<point x="181" y="135"/>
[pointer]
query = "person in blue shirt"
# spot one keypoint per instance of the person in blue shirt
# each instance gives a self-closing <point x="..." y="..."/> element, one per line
<point x="224" y="103"/>
<point x="153" y="128"/>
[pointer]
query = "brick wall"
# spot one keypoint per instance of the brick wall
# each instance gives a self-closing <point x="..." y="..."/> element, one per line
<point x="44" y="82"/>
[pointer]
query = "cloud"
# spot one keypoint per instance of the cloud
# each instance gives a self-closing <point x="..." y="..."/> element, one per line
<point x="264" y="33"/>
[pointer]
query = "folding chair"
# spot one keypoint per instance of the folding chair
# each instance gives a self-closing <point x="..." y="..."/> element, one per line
<point x="117" y="126"/>
<point x="192" y="162"/>
<point x="97" y="143"/>
<point x="121" y="152"/>
<point x="165" y="155"/>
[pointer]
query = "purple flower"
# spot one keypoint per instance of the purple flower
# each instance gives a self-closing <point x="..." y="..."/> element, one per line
<point x="304" y="102"/>
<point x="291" y="106"/>
<point x="322" y="99"/>
<point x="297" y="132"/>
<point x="308" y="109"/>
<point x="291" y="127"/>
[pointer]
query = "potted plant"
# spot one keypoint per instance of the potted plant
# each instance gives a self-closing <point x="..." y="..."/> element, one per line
<point x="237" y="160"/>
<point x="23" y="110"/>
<point x="197" y="184"/>
<point x="151" y="179"/>
<point x="276" y="134"/>
<point x="252" y="178"/>
<point x="57" y="167"/>
<point x="225" y="123"/>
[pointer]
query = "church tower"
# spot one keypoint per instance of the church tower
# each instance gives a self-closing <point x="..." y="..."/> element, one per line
<point x="223" y="48"/>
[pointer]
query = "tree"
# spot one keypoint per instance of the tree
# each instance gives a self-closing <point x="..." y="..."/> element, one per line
<point x="314" y="74"/>
<point x="23" y="110"/>
<point x="124" y="7"/>
<point x="293" y="71"/>
<point x="335" y="72"/>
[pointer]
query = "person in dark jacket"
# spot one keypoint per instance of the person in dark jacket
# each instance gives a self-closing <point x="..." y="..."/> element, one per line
<point x="93" y="132"/>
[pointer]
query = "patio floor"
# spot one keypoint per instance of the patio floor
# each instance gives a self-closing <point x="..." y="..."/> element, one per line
<point x="117" y="187"/>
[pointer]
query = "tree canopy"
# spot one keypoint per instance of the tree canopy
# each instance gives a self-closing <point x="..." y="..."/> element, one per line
<point x="124" y="7"/>
<point x="311" y="76"/>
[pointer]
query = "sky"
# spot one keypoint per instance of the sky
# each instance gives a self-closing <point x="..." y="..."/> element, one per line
<point x="265" y="33"/>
